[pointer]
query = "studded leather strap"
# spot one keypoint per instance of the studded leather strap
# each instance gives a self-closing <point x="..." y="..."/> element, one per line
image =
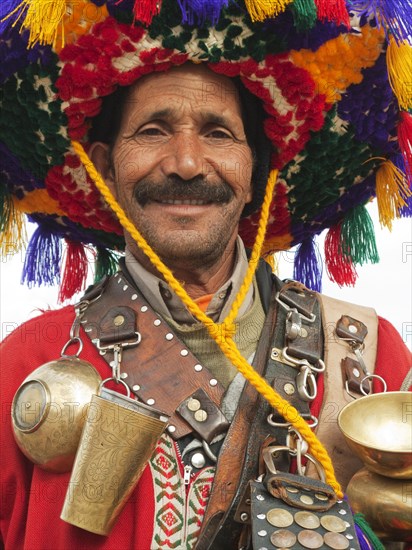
<point x="160" y="370"/>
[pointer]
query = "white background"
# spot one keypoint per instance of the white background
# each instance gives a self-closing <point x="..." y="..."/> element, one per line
<point x="385" y="286"/>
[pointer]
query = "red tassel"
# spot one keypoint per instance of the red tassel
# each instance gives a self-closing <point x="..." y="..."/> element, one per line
<point x="339" y="267"/>
<point x="405" y="140"/>
<point x="333" y="10"/>
<point x="144" y="10"/>
<point x="74" y="271"/>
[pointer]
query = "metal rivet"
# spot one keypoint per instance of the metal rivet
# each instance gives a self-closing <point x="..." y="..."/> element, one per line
<point x="125" y="287"/>
<point x="198" y="460"/>
<point x="118" y="320"/>
<point x="356" y="373"/>
<point x="289" y="388"/>
<point x="261" y="516"/>
<point x="349" y="536"/>
<point x="244" y="516"/>
<point x="352" y="329"/>
<point x="198" y="368"/>
<point x="124" y="375"/>
<point x="28" y="405"/>
<point x="200" y="415"/>
<point x="184" y="352"/>
<point x="134" y="296"/>
<point x="171" y="428"/>
<point x="193" y="404"/>
<point x="143" y="309"/>
<point x="274" y="354"/>
<point x="88" y="329"/>
<point x="222" y="295"/>
<point x="136" y="387"/>
<point x="169" y="336"/>
<point x="260" y="497"/>
<point x="303" y="332"/>
<point x="342" y="512"/>
<point x="213" y="382"/>
<point x="150" y="401"/>
<point x="157" y="322"/>
<point x="262" y="533"/>
<point x="119" y="281"/>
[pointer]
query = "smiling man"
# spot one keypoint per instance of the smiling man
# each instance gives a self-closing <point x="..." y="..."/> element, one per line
<point x="183" y="172"/>
<point x="213" y="145"/>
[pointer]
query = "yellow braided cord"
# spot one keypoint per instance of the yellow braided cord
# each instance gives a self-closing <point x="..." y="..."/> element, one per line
<point x="256" y="251"/>
<point x="221" y="333"/>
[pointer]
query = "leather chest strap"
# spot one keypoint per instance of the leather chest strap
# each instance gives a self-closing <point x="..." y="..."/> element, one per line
<point x="250" y="428"/>
<point x="160" y="370"/>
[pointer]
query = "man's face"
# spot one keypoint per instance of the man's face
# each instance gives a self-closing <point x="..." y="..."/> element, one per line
<point x="181" y="166"/>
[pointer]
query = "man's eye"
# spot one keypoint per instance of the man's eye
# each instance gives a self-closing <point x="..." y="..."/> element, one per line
<point x="219" y="134"/>
<point x="150" y="131"/>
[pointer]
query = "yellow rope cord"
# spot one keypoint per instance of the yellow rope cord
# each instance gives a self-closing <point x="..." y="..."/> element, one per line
<point x="221" y="333"/>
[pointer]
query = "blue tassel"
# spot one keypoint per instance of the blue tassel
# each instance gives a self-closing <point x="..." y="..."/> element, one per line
<point x="201" y="11"/>
<point x="10" y="13"/>
<point x="396" y="15"/>
<point x="42" y="261"/>
<point x="308" y="265"/>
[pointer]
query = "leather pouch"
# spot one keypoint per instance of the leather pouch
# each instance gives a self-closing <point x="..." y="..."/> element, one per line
<point x="277" y="524"/>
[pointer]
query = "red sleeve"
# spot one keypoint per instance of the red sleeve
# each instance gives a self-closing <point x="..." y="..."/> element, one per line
<point x="394" y="360"/>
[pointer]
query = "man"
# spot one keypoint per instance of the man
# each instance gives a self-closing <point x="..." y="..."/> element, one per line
<point x="183" y="165"/>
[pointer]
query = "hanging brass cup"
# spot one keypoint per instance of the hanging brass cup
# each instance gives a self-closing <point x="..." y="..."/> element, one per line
<point x="118" y="439"/>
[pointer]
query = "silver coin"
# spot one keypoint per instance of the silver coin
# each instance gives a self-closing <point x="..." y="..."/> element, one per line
<point x="310" y="539"/>
<point x="283" y="538"/>
<point x="279" y="517"/>
<point x="306" y="499"/>
<point x="307" y="520"/>
<point x="336" y="541"/>
<point x="333" y="523"/>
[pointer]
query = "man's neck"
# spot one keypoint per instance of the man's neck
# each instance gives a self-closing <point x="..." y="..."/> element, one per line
<point x="197" y="280"/>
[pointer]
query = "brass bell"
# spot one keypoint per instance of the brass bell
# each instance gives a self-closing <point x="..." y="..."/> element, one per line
<point x="49" y="410"/>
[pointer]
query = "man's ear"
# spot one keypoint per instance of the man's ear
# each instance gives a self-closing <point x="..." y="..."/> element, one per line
<point x="99" y="154"/>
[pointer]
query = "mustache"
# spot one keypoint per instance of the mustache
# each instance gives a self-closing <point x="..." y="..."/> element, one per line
<point x="175" y="188"/>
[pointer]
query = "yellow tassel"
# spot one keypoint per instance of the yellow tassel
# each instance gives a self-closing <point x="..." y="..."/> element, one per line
<point x="259" y="10"/>
<point x="43" y="18"/>
<point x="399" y="63"/>
<point x="13" y="235"/>
<point x="392" y="192"/>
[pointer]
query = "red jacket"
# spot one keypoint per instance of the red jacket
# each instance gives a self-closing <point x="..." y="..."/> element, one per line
<point x="32" y="499"/>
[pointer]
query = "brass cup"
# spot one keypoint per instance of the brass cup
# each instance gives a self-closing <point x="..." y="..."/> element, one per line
<point x="49" y="410"/>
<point x="118" y="439"/>
<point x="378" y="428"/>
<point x="386" y="504"/>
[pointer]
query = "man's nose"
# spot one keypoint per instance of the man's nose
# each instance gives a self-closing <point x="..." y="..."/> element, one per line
<point x="184" y="157"/>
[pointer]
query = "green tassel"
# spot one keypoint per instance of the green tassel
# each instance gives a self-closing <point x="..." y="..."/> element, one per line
<point x="106" y="263"/>
<point x="367" y="530"/>
<point x="304" y="14"/>
<point x="358" y="237"/>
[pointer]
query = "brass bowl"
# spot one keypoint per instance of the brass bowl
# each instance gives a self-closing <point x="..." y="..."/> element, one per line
<point x="49" y="410"/>
<point x="378" y="428"/>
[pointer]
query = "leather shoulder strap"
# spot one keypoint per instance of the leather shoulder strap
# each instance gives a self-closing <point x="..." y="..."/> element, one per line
<point x="335" y="396"/>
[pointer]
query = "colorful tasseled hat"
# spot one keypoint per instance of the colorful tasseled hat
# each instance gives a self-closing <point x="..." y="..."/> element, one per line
<point x="334" y="80"/>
